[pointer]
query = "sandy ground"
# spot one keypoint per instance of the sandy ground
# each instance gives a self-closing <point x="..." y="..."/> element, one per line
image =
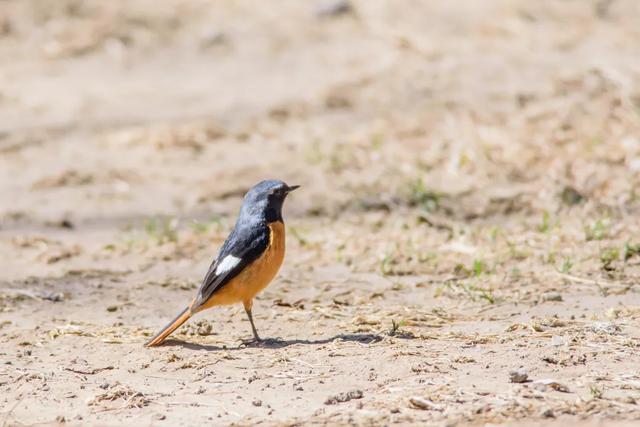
<point x="469" y="208"/>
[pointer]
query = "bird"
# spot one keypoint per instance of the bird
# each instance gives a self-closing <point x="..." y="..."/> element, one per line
<point x="248" y="260"/>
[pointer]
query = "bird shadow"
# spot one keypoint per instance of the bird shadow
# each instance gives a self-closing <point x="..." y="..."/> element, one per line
<point x="275" y="343"/>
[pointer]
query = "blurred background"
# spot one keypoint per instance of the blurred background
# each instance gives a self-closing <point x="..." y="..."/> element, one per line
<point x="115" y="112"/>
<point x="426" y="114"/>
<point x="469" y="175"/>
<point x="411" y="120"/>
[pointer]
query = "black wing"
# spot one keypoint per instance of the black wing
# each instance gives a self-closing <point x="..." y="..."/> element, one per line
<point x="247" y="245"/>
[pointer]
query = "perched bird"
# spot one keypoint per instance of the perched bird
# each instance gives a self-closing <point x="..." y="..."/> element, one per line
<point x="248" y="260"/>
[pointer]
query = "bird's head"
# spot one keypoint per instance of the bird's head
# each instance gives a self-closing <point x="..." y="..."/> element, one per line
<point x="265" y="199"/>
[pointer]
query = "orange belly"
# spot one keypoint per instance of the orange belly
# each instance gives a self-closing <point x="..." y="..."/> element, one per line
<point x="254" y="277"/>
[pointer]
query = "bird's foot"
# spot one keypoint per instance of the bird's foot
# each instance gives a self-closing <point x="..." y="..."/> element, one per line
<point x="253" y="342"/>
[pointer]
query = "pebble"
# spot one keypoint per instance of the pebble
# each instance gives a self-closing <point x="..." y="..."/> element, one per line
<point x="547" y="413"/>
<point x="518" y="376"/>
<point x="424" y="404"/>
<point x="344" y="397"/>
<point x="551" y="296"/>
<point x="330" y="9"/>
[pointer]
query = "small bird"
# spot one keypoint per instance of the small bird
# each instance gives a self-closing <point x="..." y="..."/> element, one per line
<point x="248" y="260"/>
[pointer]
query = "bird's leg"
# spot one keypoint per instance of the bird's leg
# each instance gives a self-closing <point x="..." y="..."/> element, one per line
<point x="247" y="309"/>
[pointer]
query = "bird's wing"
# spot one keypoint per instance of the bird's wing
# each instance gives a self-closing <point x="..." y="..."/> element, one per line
<point x="239" y="250"/>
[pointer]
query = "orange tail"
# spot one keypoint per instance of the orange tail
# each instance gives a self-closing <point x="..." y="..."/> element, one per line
<point x="167" y="330"/>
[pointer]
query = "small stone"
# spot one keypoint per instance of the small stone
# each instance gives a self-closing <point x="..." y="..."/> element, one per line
<point x="547" y="413"/>
<point x="551" y="296"/>
<point x="54" y="296"/>
<point x="333" y="8"/>
<point x="159" y="417"/>
<point x="257" y="402"/>
<point x="66" y="223"/>
<point x="608" y="328"/>
<point x="213" y="37"/>
<point x="112" y="308"/>
<point x="571" y="196"/>
<point x="344" y="397"/>
<point x="546" y="384"/>
<point x="424" y="404"/>
<point x="204" y="329"/>
<point x="518" y="376"/>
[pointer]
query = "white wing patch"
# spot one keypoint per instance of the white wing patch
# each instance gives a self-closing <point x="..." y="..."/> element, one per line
<point x="227" y="264"/>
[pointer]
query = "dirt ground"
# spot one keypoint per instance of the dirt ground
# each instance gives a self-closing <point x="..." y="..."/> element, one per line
<point x="464" y="249"/>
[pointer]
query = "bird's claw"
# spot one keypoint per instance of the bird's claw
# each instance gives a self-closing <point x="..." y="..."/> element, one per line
<point x="252" y="342"/>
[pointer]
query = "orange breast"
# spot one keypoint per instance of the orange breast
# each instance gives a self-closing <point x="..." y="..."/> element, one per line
<point x="254" y="277"/>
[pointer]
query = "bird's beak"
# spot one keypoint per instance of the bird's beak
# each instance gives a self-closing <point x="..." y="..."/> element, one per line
<point x="292" y="187"/>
